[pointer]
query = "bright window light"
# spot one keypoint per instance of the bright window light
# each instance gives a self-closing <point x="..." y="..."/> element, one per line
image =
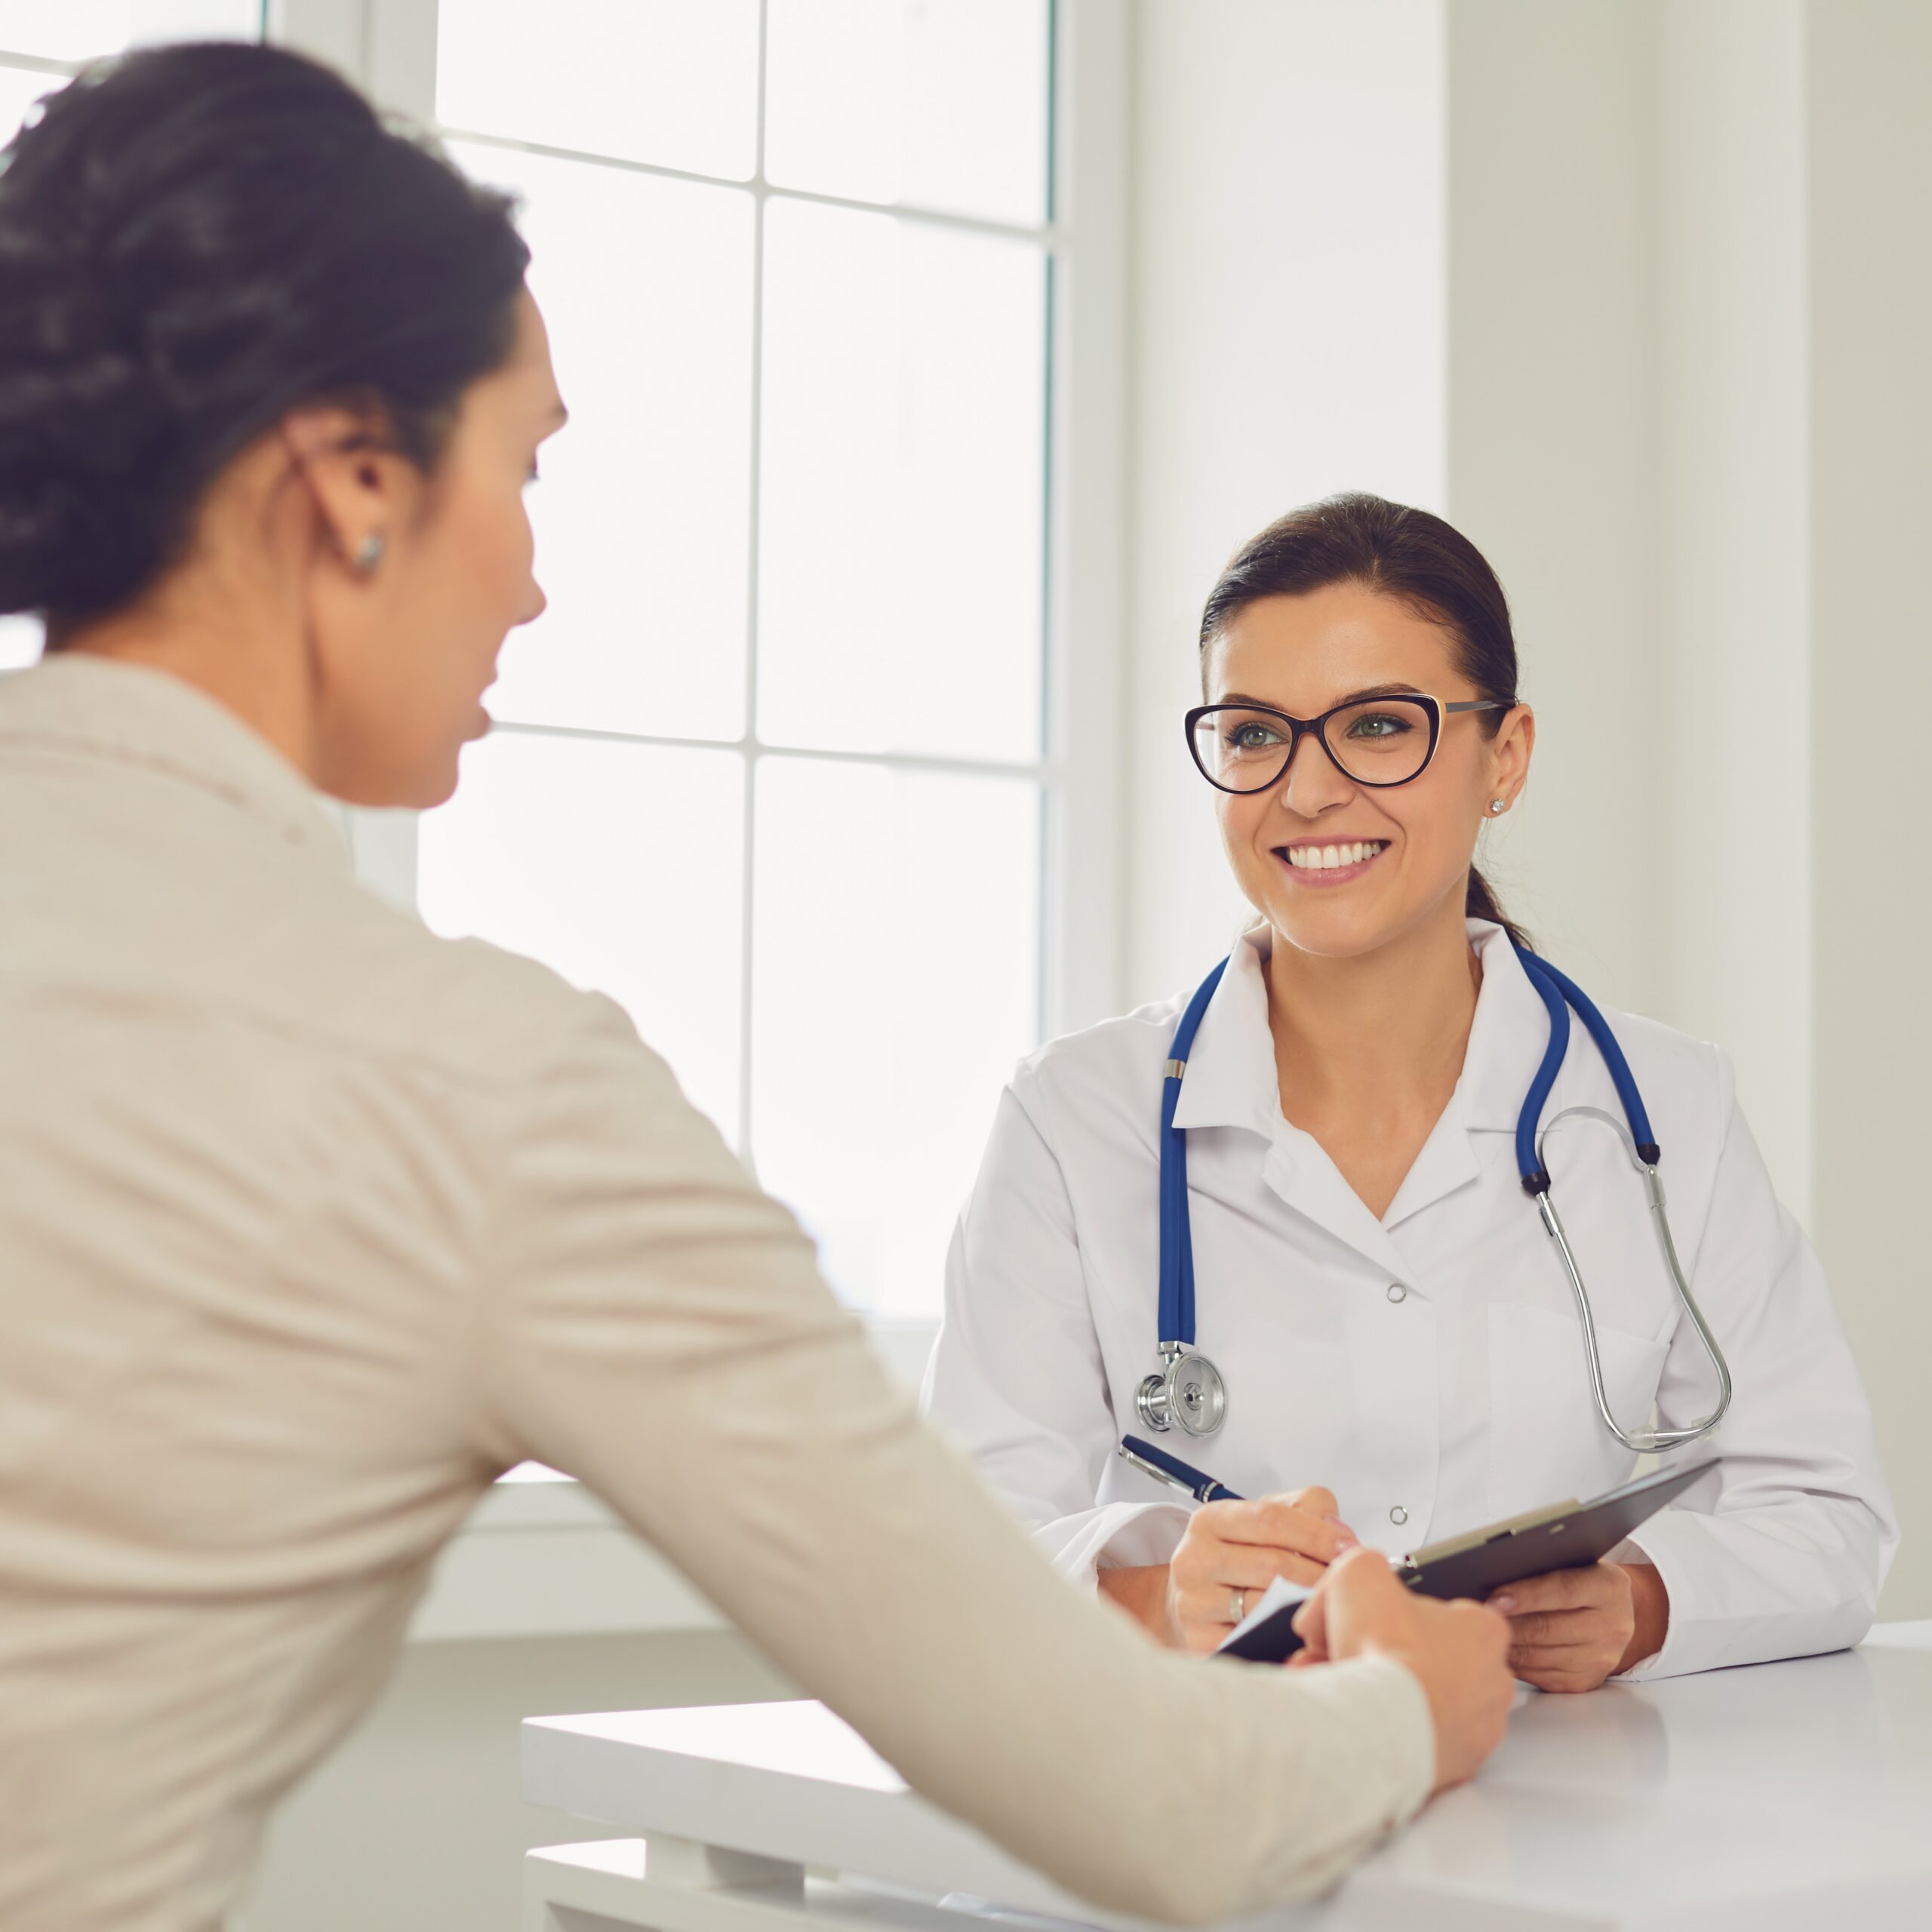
<point x="770" y="771"/>
<point x="900" y="594"/>
<point x="672" y="82"/>
<point x="642" y="534"/>
<point x="894" y="977"/>
<point x="932" y="103"/>
<point x="620" y="865"/>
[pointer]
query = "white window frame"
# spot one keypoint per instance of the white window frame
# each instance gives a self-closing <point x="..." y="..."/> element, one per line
<point x="389" y="47"/>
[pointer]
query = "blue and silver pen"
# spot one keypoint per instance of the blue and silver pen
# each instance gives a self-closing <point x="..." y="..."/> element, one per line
<point x="1164" y="1468"/>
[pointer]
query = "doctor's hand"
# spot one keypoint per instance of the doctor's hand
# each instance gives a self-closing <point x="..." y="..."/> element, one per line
<point x="1456" y="1651"/>
<point x="1571" y="1629"/>
<point x="1233" y="1551"/>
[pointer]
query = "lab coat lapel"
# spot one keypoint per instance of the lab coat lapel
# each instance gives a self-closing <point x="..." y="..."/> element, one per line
<point x="1507" y="1042"/>
<point x="1231" y="1081"/>
<point x="1299" y="1171"/>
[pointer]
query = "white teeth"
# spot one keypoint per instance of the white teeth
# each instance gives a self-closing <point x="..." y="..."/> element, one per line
<point x="1325" y="858"/>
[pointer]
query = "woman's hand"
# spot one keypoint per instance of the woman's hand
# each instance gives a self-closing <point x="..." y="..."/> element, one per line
<point x="1454" y="1651"/>
<point x="1233" y="1551"/>
<point x="1570" y="1629"/>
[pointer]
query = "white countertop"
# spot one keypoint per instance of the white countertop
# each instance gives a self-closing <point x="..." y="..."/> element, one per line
<point x="1791" y="1795"/>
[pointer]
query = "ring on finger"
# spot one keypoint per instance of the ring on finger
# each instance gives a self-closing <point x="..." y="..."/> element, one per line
<point x="1237" y="1605"/>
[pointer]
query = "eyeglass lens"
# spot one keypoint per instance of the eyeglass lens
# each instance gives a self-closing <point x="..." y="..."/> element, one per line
<point x="1382" y="741"/>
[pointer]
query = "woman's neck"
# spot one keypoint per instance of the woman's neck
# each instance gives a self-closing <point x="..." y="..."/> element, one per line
<point x="1368" y="1049"/>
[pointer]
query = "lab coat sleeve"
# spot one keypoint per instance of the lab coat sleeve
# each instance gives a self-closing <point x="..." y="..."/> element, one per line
<point x="1781" y="1551"/>
<point x="649" y="1321"/>
<point x="1016" y="1378"/>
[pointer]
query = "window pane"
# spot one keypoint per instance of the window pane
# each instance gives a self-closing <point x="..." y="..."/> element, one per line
<point x="937" y="103"/>
<point x="621" y="866"/>
<point x="672" y="82"/>
<point x="64" y="29"/>
<point x="19" y="643"/>
<point x="640" y="517"/>
<point x="894" y="977"/>
<point x="901" y="486"/>
<point x="20" y="88"/>
<point x="80" y="29"/>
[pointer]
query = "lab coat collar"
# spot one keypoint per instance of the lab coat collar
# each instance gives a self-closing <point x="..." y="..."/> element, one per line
<point x="82" y="705"/>
<point x="1231" y="1081"/>
<point x="1507" y="1038"/>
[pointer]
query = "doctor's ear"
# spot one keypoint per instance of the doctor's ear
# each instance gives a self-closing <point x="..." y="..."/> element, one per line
<point x="1510" y="752"/>
<point x="364" y="489"/>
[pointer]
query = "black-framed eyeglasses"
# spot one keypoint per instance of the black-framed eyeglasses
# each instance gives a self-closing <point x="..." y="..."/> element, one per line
<point x="1371" y="740"/>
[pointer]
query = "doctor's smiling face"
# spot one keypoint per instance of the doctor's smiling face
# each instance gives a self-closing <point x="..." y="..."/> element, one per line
<point x="1338" y="867"/>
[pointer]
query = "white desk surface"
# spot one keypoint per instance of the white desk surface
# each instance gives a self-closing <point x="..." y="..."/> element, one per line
<point x="1789" y="1795"/>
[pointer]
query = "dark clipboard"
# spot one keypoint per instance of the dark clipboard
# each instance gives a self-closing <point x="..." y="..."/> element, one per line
<point x="1565" y="1535"/>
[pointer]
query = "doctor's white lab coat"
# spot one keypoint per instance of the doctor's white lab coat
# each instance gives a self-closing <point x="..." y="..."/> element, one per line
<point x="1428" y="1368"/>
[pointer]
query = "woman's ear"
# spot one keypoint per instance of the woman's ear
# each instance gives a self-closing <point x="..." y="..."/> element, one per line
<point x="363" y="489"/>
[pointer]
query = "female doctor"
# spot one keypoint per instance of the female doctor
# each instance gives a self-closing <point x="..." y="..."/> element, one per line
<point x="1395" y="1340"/>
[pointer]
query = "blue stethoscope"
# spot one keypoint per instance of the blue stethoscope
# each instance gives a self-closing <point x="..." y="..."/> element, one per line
<point x="1188" y="1392"/>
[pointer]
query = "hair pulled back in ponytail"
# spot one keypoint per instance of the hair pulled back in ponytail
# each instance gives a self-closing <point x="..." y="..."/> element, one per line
<point x="195" y="240"/>
<point x="1406" y="554"/>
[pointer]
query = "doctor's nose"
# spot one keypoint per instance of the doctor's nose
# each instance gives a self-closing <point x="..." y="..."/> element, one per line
<point x="1311" y="784"/>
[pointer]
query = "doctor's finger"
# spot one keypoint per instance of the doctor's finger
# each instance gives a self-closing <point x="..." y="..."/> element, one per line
<point x="1316" y="1501"/>
<point x="1275" y="1523"/>
<point x="1555" y="1589"/>
<point x="1563" y="1627"/>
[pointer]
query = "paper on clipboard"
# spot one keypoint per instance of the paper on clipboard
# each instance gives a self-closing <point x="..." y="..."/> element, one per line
<point x="1278" y="1594"/>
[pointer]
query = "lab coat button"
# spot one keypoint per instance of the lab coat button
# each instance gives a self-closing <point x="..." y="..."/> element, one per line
<point x="1399" y="1516"/>
<point x="1397" y="1292"/>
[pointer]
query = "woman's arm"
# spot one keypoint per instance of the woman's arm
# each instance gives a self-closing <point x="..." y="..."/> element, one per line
<point x="648" y="1321"/>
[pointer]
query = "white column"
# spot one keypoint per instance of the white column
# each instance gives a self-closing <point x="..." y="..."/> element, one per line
<point x="1551" y="435"/>
<point x="1733" y="663"/>
<point x="1288" y="343"/>
<point x="1868" y="171"/>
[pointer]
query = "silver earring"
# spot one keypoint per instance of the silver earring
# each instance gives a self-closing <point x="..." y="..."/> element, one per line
<point x="1498" y="805"/>
<point x="369" y="551"/>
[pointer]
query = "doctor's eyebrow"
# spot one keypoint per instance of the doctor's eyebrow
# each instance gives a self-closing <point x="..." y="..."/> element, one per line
<point x="1373" y="691"/>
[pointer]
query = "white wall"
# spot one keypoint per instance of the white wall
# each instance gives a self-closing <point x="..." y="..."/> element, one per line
<point x="1733" y="679"/>
<point x="1550" y="448"/>
<point x="1287" y="342"/>
<point x="1869" y="169"/>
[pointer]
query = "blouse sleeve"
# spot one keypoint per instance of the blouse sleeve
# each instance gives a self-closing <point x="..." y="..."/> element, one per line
<point x="651" y="1323"/>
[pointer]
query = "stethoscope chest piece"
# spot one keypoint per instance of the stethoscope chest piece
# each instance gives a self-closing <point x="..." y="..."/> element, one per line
<point x="1187" y="1394"/>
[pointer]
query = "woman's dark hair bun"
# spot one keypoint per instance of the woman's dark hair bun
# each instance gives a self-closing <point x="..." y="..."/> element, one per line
<point x="194" y="241"/>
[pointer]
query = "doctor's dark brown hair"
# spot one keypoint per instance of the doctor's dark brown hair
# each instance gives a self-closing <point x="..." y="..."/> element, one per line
<point x="193" y="242"/>
<point x="1419" y="560"/>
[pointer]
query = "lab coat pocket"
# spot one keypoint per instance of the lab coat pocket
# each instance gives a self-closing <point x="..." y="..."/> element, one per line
<point x="1546" y="1441"/>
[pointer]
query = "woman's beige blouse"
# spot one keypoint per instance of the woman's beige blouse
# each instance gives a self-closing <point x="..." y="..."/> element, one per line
<point x="312" y="1223"/>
